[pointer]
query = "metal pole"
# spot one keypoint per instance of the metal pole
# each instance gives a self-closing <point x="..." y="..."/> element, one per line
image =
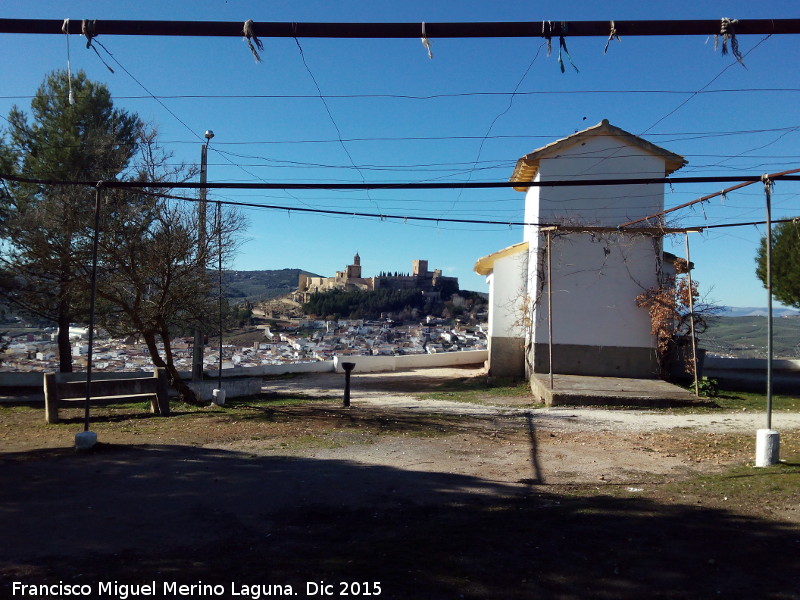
<point x="197" y="350"/>
<point x="691" y="317"/>
<point x="219" y="273"/>
<point x="768" y="194"/>
<point x="92" y="296"/>
<point x="549" y="309"/>
<point x="348" y="368"/>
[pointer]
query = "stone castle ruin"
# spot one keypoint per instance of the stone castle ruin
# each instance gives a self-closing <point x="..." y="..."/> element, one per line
<point x="431" y="282"/>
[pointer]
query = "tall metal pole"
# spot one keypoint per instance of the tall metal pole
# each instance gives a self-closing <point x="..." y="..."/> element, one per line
<point x="197" y="350"/>
<point x="768" y="194"/>
<point x="550" y="309"/>
<point x="92" y="297"/>
<point x="691" y="317"/>
<point x="219" y="274"/>
<point x="768" y="441"/>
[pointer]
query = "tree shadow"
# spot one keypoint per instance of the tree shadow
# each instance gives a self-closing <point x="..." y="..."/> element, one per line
<point x="184" y="514"/>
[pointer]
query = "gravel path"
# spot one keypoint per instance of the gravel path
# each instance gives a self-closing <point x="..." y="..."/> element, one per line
<point x="395" y="390"/>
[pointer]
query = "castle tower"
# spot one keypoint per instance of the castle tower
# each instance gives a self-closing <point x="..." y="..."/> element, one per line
<point x="354" y="271"/>
<point x="419" y="267"/>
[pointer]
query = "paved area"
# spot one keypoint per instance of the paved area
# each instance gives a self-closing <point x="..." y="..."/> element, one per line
<point x="578" y="390"/>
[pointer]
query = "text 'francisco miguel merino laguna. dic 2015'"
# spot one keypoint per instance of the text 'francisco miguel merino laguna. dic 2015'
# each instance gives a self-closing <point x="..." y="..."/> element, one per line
<point x="172" y="589"/>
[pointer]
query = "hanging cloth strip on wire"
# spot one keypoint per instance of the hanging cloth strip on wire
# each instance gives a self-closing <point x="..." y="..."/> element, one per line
<point x="426" y="42"/>
<point x="65" y="29"/>
<point x="562" y="45"/>
<point x="728" y="33"/>
<point x="611" y="36"/>
<point x="88" y="30"/>
<point x="548" y="36"/>
<point x="248" y="30"/>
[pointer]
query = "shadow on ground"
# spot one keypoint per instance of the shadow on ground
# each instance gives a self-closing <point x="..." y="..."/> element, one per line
<point x="174" y="513"/>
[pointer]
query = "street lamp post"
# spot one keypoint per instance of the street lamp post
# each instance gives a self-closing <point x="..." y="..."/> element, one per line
<point x="197" y="350"/>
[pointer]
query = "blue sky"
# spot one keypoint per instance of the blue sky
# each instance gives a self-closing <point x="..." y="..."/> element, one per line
<point x="676" y="92"/>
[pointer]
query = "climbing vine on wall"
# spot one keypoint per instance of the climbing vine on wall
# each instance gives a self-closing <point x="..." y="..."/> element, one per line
<point x="668" y="305"/>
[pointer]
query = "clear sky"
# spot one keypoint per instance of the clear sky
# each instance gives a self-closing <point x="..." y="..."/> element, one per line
<point x="388" y="113"/>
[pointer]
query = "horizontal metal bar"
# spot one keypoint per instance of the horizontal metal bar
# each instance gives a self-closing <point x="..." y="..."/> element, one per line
<point x="499" y="29"/>
<point x="397" y="186"/>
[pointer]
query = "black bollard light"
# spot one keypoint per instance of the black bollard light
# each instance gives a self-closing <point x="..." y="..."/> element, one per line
<point x="348" y="368"/>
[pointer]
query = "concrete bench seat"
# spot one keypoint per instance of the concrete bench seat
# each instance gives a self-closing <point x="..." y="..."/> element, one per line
<point x="59" y="392"/>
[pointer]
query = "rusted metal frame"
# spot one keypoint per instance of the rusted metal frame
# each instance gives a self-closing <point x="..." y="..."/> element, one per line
<point x="500" y="29"/>
<point x="408" y="186"/>
<point x="750" y="181"/>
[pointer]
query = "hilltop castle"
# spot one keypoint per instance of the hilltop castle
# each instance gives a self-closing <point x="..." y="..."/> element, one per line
<point x="351" y="279"/>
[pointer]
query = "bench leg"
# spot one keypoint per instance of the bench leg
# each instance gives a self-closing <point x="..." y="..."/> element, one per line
<point x="50" y="398"/>
<point x="162" y="392"/>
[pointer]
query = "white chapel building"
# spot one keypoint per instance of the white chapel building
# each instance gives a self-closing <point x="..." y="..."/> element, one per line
<point x="592" y="326"/>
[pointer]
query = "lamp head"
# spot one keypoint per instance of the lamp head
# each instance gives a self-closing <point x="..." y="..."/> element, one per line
<point x="209" y="134"/>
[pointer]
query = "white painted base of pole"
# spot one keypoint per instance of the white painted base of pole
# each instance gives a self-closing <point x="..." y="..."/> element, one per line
<point x="85" y="440"/>
<point x="218" y="397"/>
<point x="768" y="443"/>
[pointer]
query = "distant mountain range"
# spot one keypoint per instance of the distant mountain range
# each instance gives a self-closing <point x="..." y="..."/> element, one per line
<point x="751" y="311"/>
<point x="745" y="336"/>
<point x="261" y="285"/>
<point x="266" y="284"/>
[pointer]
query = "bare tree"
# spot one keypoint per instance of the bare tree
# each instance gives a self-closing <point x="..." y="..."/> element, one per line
<point x="154" y="281"/>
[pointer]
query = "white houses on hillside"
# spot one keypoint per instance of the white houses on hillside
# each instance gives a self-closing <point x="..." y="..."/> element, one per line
<point x="597" y="270"/>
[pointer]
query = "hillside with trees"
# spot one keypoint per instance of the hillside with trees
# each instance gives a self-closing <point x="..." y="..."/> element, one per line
<point x="746" y="337"/>
<point x="255" y="286"/>
<point x="403" y="304"/>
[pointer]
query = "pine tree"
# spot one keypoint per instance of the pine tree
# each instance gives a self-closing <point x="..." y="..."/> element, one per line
<point x="47" y="229"/>
<point x="785" y="263"/>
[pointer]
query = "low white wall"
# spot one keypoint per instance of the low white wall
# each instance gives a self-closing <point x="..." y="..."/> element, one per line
<point x="246" y="381"/>
<point x="234" y="388"/>
<point x="322" y="366"/>
<point x="373" y="364"/>
<point x="751" y="373"/>
<point x="36" y="378"/>
<point x="736" y="364"/>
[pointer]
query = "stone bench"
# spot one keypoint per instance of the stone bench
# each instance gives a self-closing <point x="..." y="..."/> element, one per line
<point x="59" y="392"/>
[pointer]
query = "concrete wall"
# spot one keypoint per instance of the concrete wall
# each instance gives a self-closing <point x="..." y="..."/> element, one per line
<point x="36" y="378"/>
<point x="234" y="388"/>
<point x="246" y="381"/>
<point x="597" y="361"/>
<point x="507" y="315"/>
<point x="507" y="293"/>
<point x="751" y="374"/>
<point x="506" y="357"/>
<point x="596" y="278"/>
<point x="322" y="366"/>
<point x="372" y="364"/>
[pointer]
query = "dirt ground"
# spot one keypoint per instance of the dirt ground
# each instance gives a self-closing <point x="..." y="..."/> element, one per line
<point x="396" y="496"/>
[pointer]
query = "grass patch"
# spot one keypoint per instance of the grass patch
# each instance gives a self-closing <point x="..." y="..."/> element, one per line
<point x="746" y="486"/>
<point x="480" y="390"/>
<point x="276" y="400"/>
<point x="754" y="401"/>
<point x="736" y="401"/>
